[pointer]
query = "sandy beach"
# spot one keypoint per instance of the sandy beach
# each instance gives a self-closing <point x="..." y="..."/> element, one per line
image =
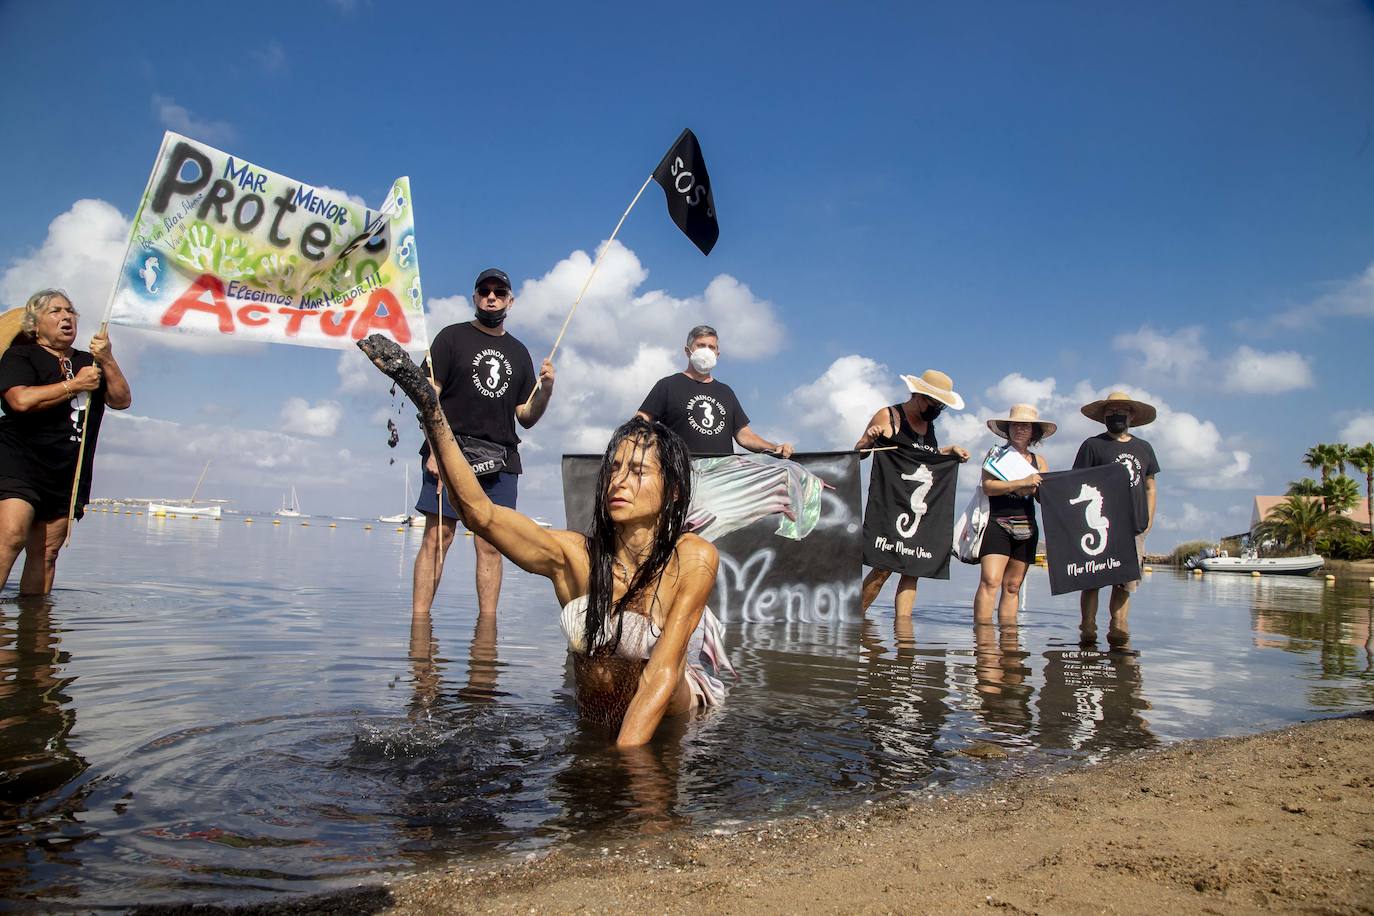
<point x="1282" y="821"/>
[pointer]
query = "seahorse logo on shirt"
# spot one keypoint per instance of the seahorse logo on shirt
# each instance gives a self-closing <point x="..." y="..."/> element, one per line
<point x="491" y="372"/>
<point x="1092" y="514"/>
<point x="908" y="523"/>
<point x="706" y="415"/>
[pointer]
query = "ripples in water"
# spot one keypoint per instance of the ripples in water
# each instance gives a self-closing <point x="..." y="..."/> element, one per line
<point x="270" y="720"/>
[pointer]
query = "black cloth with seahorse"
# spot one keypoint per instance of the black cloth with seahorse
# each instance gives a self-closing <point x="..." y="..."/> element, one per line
<point x="909" y="519"/>
<point x="1089" y="524"/>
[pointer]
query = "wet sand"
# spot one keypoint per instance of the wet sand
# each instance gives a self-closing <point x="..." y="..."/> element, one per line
<point x="1282" y="821"/>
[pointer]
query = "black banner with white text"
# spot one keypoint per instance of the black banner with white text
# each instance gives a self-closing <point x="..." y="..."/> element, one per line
<point x="1089" y="526"/>
<point x="909" y="522"/>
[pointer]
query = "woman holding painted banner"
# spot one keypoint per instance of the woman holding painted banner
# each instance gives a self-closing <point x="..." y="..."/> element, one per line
<point x="633" y="590"/>
<point x="47" y="386"/>
<point x="1011" y="477"/>
<point x="910" y="424"/>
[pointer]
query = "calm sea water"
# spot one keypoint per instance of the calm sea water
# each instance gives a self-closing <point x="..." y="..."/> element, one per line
<point x="221" y="711"/>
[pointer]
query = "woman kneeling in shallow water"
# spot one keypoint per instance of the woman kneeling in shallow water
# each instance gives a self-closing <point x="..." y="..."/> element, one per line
<point x="633" y="591"/>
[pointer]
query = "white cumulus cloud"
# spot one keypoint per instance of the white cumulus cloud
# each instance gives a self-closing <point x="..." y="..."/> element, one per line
<point x="321" y="420"/>
<point x="614" y="315"/>
<point x="1360" y="429"/>
<point x="1250" y="371"/>
<point x="834" y="408"/>
<point x="82" y="253"/>
<point x="1178" y="355"/>
<point x="179" y="118"/>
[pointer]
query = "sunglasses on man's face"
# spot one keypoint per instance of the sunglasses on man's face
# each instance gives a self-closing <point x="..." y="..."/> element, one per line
<point x="500" y="292"/>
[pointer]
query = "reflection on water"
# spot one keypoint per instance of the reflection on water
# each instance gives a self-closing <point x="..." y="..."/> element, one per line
<point x="207" y="711"/>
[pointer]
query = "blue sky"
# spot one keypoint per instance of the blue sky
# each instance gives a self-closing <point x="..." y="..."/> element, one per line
<point x="1044" y="200"/>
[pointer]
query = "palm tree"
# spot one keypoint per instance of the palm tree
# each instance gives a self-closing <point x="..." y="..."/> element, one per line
<point x="1362" y="459"/>
<point x="1305" y="486"/>
<point x="1299" y="520"/>
<point x="1339" y="456"/>
<point x="1318" y="458"/>
<point x="1340" y="493"/>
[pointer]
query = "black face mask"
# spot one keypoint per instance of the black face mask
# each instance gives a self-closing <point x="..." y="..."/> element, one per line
<point x="491" y="319"/>
<point x="933" y="410"/>
<point x="1117" y="423"/>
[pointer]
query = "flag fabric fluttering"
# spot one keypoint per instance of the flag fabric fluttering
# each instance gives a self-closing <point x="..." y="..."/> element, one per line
<point x="1089" y="523"/>
<point x="223" y="247"/>
<point x="687" y="187"/>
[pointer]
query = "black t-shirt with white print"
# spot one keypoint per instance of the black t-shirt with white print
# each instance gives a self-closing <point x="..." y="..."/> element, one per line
<point x="39" y="446"/>
<point x="706" y="415"/>
<point x="482" y="380"/>
<point x="1138" y="458"/>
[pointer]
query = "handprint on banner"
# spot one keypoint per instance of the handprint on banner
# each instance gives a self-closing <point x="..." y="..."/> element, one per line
<point x="231" y="258"/>
<point x="415" y="291"/>
<point x="339" y="275"/>
<point x="196" y="250"/>
<point x="275" y="272"/>
<point x="406" y="251"/>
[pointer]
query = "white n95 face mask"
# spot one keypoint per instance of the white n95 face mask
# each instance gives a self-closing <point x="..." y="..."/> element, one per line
<point x="703" y="359"/>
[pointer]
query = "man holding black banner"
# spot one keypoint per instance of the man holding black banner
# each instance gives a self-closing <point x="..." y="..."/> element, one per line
<point x="701" y="409"/>
<point x="485" y="377"/>
<point x="1120" y="413"/>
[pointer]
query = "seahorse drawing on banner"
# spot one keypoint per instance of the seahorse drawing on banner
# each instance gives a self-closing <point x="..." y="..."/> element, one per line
<point x="1092" y="513"/>
<point x="923" y="478"/>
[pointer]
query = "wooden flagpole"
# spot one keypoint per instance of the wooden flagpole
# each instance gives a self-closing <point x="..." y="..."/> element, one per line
<point x="104" y="328"/>
<point x="595" y="264"/>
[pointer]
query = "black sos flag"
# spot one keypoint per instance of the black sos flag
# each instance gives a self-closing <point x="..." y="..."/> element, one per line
<point x="909" y="522"/>
<point x="682" y="175"/>
<point x="1089" y="528"/>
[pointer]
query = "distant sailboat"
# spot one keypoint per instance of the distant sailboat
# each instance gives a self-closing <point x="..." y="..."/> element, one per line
<point x="291" y="509"/>
<point x="186" y="507"/>
<point x="404" y="515"/>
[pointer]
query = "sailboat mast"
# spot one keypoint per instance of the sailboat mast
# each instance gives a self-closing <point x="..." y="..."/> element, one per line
<point x="200" y="481"/>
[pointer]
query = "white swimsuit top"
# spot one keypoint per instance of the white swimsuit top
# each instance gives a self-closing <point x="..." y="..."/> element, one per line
<point x="638" y="638"/>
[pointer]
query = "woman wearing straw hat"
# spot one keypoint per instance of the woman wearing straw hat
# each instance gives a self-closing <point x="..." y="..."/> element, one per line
<point x="909" y="425"/>
<point x="1012" y="534"/>
<point x="1120" y="413"/>
<point x="46" y="385"/>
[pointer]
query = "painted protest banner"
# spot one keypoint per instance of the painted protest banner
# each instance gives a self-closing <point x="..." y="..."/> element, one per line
<point x="222" y="247"/>
<point x="1089" y="525"/>
<point x="765" y="576"/>
<point x="910" y="514"/>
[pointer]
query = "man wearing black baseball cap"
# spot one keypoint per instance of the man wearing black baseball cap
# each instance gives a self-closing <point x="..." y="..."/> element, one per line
<point x="485" y="378"/>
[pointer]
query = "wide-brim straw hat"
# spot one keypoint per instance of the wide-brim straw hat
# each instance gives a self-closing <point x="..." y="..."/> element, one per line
<point x="936" y="385"/>
<point x="10" y="324"/>
<point x="1021" y="413"/>
<point x="1142" y="414"/>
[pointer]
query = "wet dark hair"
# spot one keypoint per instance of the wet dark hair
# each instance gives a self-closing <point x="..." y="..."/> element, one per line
<point x="676" y="468"/>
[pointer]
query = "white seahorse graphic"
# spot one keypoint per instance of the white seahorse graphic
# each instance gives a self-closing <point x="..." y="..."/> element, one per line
<point x="1092" y="513"/>
<point x="149" y="274"/>
<point x="907" y="524"/>
<point x="494" y="375"/>
<point x="708" y="418"/>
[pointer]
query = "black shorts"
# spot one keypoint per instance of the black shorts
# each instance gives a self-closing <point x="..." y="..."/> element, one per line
<point x="997" y="543"/>
<point x="48" y="503"/>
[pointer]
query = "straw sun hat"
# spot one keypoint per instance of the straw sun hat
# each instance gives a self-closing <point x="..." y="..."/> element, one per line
<point x="1142" y="414"/>
<point x="936" y="385"/>
<point x="10" y="323"/>
<point x="1021" y="413"/>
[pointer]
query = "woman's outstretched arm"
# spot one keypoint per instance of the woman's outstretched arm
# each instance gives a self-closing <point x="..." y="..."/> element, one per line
<point x="696" y="561"/>
<point x="531" y="547"/>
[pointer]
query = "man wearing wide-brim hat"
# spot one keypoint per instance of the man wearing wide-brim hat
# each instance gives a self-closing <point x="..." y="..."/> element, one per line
<point x="910" y="424"/>
<point x="1120" y="413"/>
